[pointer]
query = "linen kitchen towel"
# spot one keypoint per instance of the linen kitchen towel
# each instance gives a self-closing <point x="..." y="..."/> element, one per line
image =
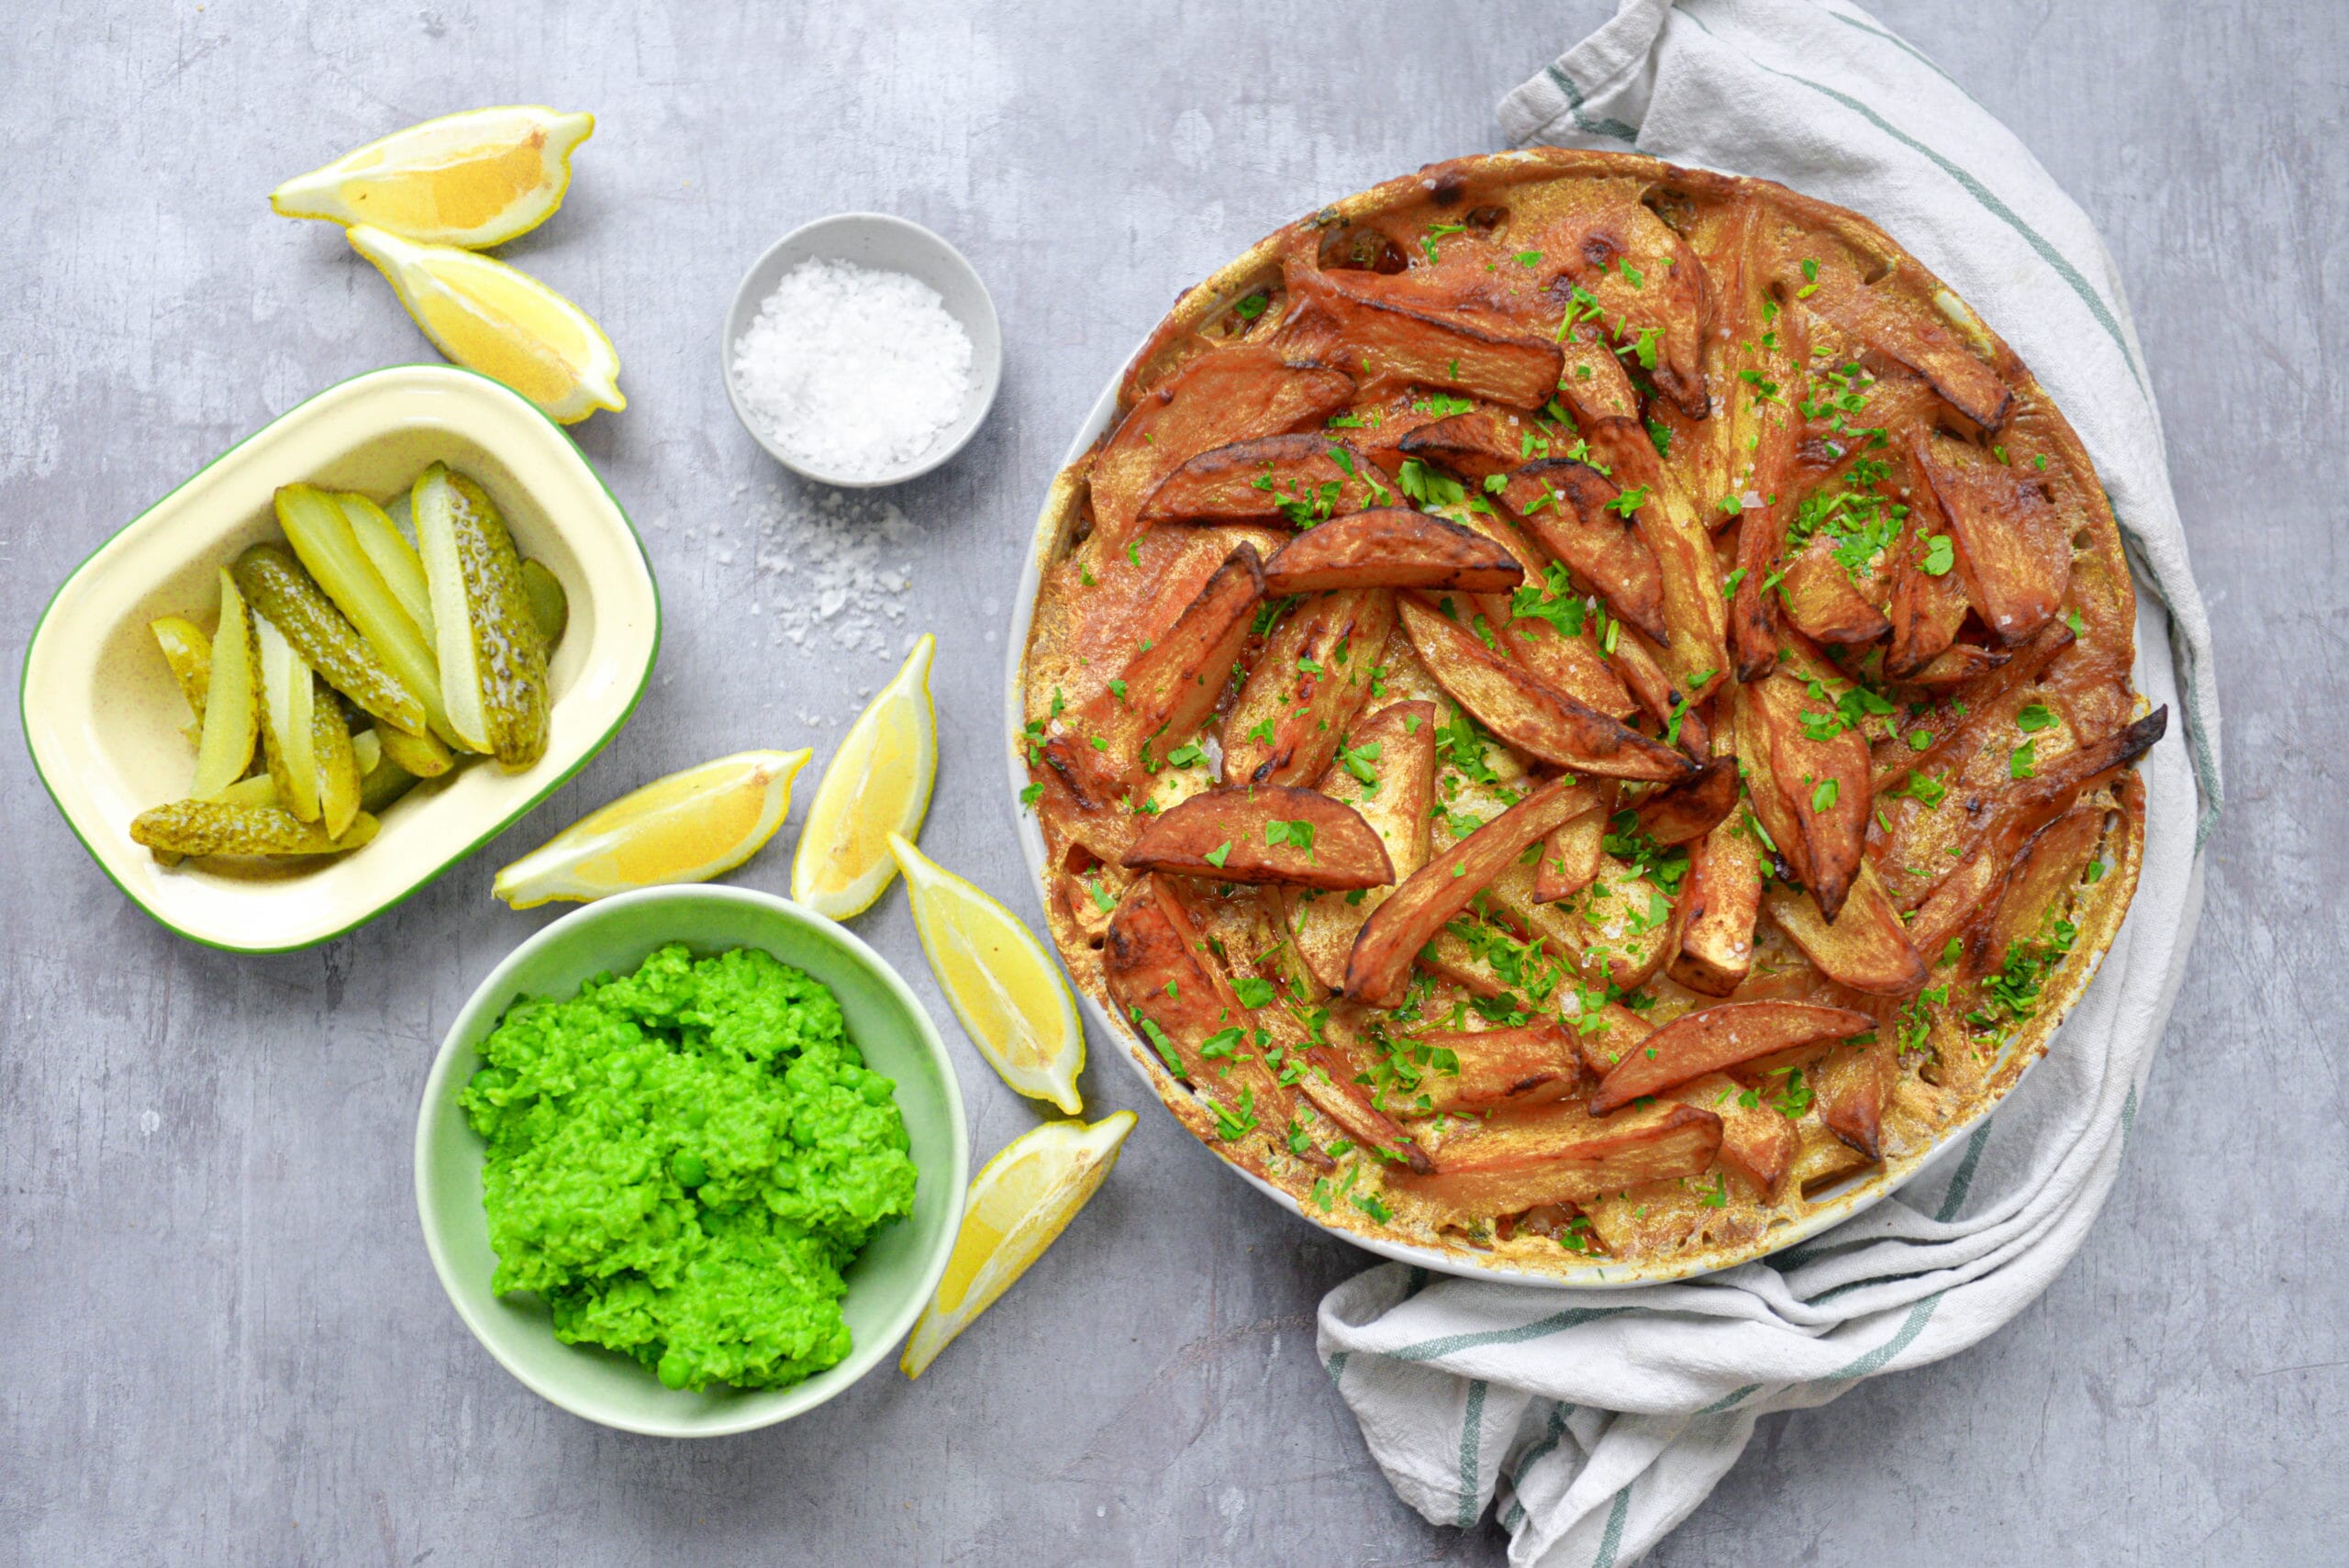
<point x="1596" y="1420"/>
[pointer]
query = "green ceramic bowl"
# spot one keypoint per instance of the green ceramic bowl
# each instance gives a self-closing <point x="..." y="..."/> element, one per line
<point x="888" y="1285"/>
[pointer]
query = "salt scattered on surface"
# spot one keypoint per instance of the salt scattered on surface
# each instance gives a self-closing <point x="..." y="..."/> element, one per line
<point x="852" y="371"/>
<point x="821" y="551"/>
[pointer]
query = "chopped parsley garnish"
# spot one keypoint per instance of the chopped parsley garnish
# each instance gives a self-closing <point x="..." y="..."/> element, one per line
<point x="2021" y="764"/>
<point x="1824" y="796"/>
<point x="2035" y="717"/>
<point x="1941" y="554"/>
<point x="1253" y="991"/>
<point x="1217" y="856"/>
<point x="1252" y="305"/>
<point x="1297" y="833"/>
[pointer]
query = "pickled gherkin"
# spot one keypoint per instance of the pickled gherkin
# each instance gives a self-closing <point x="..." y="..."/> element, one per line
<point x="337" y="764"/>
<point x="189" y="653"/>
<point x="288" y="735"/>
<point x="219" y="828"/>
<point x="393" y="557"/>
<point x="550" y="605"/>
<point x="318" y="526"/>
<point x="384" y="784"/>
<point x="231" y="696"/>
<point x="283" y="593"/>
<point x="493" y="659"/>
<point x="419" y="754"/>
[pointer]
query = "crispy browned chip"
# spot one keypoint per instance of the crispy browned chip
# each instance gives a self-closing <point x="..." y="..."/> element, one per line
<point x="2013" y="550"/>
<point x="1567" y="505"/>
<point x="1386" y="772"/>
<point x="1511" y="1160"/>
<point x="1574" y="852"/>
<point x="1168" y="688"/>
<point x="1527" y="1064"/>
<point x="1830" y="288"/>
<point x="2008" y="824"/>
<point x="1718" y="1036"/>
<point x="1592" y="385"/>
<point x="1392" y="937"/>
<point x="1720" y="895"/>
<point x="1926" y="610"/>
<point x="1851" y="1084"/>
<point x="1505" y="696"/>
<point x="1265" y="833"/>
<point x="1304" y="477"/>
<point x="2049" y="868"/>
<point x="1758" y="1143"/>
<point x="1865" y="947"/>
<point x="1571" y="663"/>
<point x="1329" y="1083"/>
<point x="1311" y="679"/>
<point x="1486" y="439"/>
<point x="1822" y="784"/>
<point x="1689" y="809"/>
<point x="1661" y="314"/>
<point x="1483" y="353"/>
<point x="1391" y="547"/>
<point x="1825" y="602"/>
<point x="1211" y="401"/>
<point x="1953" y="728"/>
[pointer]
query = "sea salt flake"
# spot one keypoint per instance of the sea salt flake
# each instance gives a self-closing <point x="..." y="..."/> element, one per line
<point x="853" y="371"/>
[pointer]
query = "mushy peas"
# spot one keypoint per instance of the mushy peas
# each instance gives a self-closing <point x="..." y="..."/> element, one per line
<point x="681" y="1162"/>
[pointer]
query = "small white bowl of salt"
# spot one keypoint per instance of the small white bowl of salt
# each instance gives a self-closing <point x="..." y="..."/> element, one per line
<point x="861" y="351"/>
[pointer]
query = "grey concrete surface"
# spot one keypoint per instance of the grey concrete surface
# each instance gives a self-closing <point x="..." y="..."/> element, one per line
<point x="220" y="1340"/>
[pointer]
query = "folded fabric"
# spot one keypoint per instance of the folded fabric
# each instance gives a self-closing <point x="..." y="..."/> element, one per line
<point x="1597" y="1420"/>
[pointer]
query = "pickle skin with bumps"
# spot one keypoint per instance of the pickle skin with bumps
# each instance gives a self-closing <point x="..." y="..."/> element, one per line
<point x="218" y="827"/>
<point x="317" y="526"/>
<point x="491" y="650"/>
<point x="283" y="593"/>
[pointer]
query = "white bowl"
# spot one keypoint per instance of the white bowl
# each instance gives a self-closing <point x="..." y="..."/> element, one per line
<point x="888" y="244"/>
<point x="102" y="713"/>
<point x="1832" y="1208"/>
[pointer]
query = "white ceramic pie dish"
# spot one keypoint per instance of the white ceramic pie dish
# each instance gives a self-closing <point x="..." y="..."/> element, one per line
<point x="1830" y="1208"/>
<point x="102" y="715"/>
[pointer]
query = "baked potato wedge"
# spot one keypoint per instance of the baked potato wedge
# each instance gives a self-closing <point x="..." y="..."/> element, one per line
<point x="1714" y="1039"/>
<point x="1305" y="687"/>
<point x="1865" y="947"/>
<point x="1506" y="698"/>
<point x="1691" y="808"/>
<point x="2013" y="552"/>
<point x="1380" y="964"/>
<point x="1713" y="919"/>
<point x="1480" y="1070"/>
<point x="1758" y="1143"/>
<point x="1168" y="688"/>
<point x="1214" y="398"/>
<point x="1830" y="287"/>
<point x="1304" y="478"/>
<point x="1572" y="853"/>
<point x="1387" y="774"/>
<point x="1511" y="1160"/>
<point x="1391" y="547"/>
<point x="1819" y="768"/>
<point x="1572" y="508"/>
<point x="1260" y="833"/>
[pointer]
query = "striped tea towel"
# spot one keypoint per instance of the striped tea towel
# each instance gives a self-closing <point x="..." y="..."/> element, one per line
<point x="1597" y="1420"/>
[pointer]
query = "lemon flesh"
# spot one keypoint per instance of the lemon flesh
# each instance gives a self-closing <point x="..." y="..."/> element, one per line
<point x="1018" y="1206"/>
<point x="688" y="826"/>
<point x="472" y="179"/>
<point x="1007" y="990"/>
<point x="506" y="324"/>
<point x="877" y="784"/>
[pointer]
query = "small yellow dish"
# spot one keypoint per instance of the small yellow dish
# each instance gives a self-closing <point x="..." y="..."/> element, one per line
<point x="103" y="714"/>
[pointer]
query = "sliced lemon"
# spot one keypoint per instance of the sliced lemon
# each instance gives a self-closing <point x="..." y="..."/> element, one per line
<point x="1018" y="1206"/>
<point x="474" y="179"/>
<point x="876" y="784"/>
<point x="1008" y="994"/>
<point x="687" y="827"/>
<point x="506" y="324"/>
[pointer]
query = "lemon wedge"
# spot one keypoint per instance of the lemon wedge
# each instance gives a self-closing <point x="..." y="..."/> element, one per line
<point x="1008" y="994"/>
<point x="876" y="784"/>
<point x="474" y="179"/>
<point x="1018" y="1206"/>
<point x="687" y="827"/>
<point x="506" y="324"/>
